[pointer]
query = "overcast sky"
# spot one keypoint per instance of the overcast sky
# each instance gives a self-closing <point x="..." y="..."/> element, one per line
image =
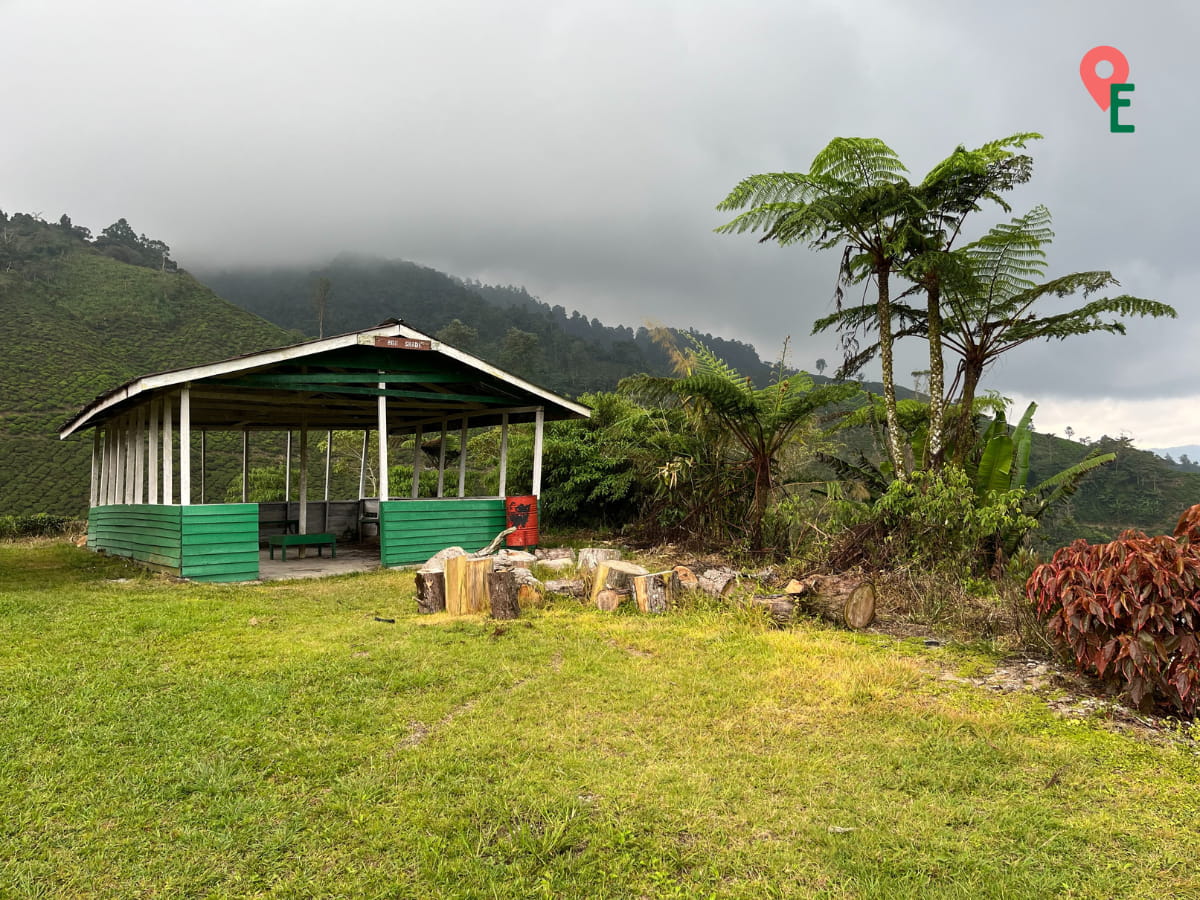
<point x="579" y="149"/>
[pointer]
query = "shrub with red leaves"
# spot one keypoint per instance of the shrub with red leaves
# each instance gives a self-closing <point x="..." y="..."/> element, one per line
<point x="1129" y="612"/>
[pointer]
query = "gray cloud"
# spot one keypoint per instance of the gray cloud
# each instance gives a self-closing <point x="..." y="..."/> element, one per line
<point x="579" y="149"/>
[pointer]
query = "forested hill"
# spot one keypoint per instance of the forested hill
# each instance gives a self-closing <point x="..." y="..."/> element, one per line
<point x="566" y="352"/>
<point x="81" y="315"/>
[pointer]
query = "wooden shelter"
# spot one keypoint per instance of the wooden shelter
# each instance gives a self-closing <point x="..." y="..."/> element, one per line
<point x="391" y="380"/>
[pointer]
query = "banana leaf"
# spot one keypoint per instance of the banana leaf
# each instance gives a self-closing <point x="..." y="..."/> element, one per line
<point x="995" y="467"/>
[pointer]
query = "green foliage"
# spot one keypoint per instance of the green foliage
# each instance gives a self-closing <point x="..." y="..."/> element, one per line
<point x="266" y="484"/>
<point x="934" y="520"/>
<point x="728" y="411"/>
<point x="36" y="525"/>
<point x="1129" y="612"/>
<point x="599" y="471"/>
<point x="78" y="323"/>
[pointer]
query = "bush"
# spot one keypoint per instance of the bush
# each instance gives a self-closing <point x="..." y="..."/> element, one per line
<point x="37" y="525"/>
<point x="1128" y="611"/>
<point x="933" y="521"/>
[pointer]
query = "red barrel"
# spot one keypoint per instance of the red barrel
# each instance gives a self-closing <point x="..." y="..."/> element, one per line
<point x="521" y="513"/>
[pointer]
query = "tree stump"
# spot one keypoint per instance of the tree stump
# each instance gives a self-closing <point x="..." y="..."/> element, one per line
<point x="571" y="587"/>
<point x="590" y="557"/>
<point x="431" y="590"/>
<point x="655" y="592"/>
<point x="615" y="575"/>
<point x="608" y="600"/>
<point x="502" y="590"/>
<point x="466" y="585"/>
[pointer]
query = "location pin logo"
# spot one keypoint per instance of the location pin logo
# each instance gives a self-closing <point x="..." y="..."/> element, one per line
<point x="1106" y="91"/>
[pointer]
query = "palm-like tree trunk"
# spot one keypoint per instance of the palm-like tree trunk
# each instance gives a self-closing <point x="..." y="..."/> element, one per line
<point x="964" y="436"/>
<point x="883" y="314"/>
<point x="937" y="377"/>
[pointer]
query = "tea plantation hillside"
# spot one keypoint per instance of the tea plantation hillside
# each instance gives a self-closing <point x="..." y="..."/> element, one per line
<point x="81" y="317"/>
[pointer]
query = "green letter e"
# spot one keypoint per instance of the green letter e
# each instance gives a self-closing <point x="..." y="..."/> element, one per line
<point x="1115" y="102"/>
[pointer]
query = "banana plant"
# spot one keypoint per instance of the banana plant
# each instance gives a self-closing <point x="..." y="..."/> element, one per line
<point x="1004" y="466"/>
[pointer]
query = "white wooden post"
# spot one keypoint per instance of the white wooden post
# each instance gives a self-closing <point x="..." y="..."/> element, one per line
<point x="94" y="493"/>
<point x="119" y="461"/>
<point x="102" y="499"/>
<point x="328" y="466"/>
<point x="362" y="465"/>
<point x="303" y="515"/>
<point x="129" y="458"/>
<point x="246" y="466"/>
<point x="152" y="454"/>
<point x="462" y="459"/>
<point x="139" y="456"/>
<point x="503" y="455"/>
<point x="539" y="422"/>
<point x="417" y="456"/>
<point x="384" y="488"/>
<point x="105" y="479"/>
<point x="114" y="463"/>
<point x="442" y="460"/>
<point x="287" y="473"/>
<point x="185" y="446"/>
<point x="168" y="455"/>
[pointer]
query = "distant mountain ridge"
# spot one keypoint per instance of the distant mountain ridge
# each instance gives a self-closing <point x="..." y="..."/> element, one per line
<point x="505" y="325"/>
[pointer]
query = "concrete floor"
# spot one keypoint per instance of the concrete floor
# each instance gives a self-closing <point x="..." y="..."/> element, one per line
<point x="350" y="558"/>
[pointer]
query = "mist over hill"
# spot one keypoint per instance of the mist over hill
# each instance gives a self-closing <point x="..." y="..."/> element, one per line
<point x="504" y="324"/>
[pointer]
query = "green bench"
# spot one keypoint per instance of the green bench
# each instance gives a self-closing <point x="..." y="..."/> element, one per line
<point x="283" y="541"/>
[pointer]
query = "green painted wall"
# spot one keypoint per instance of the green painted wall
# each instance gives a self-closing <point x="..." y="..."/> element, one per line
<point x="208" y="542"/>
<point x="411" y="531"/>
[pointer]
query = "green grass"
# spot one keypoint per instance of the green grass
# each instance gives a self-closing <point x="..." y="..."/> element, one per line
<point x="165" y="739"/>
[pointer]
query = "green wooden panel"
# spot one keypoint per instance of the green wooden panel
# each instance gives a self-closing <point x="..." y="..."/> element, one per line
<point x="210" y="542"/>
<point x="220" y="542"/>
<point x="410" y="531"/>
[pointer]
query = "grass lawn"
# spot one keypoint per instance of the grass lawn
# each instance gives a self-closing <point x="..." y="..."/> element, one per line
<point x="172" y="740"/>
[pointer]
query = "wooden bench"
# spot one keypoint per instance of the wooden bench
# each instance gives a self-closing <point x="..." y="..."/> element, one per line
<point x="283" y="541"/>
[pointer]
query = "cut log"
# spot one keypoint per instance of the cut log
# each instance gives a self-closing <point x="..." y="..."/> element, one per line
<point x="546" y="553"/>
<point x="558" y="564"/>
<point x="615" y="575"/>
<point x="781" y="608"/>
<point x="655" y="592"/>
<point x="608" y="600"/>
<point x="437" y="562"/>
<point x="717" y="582"/>
<point x="590" y="557"/>
<point x="506" y="557"/>
<point x="466" y="585"/>
<point x="431" y="590"/>
<point x="571" y="587"/>
<point x="847" y="600"/>
<point x="687" y="578"/>
<point x="502" y="592"/>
